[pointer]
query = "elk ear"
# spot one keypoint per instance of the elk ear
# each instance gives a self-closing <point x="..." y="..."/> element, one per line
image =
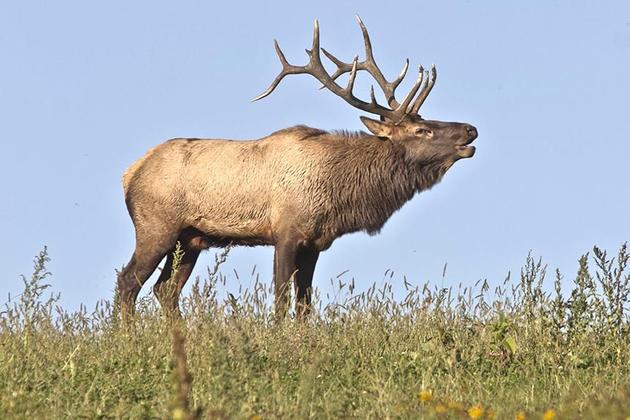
<point x="378" y="128"/>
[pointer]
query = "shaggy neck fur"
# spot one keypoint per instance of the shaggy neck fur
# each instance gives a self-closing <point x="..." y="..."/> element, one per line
<point x="372" y="179"/>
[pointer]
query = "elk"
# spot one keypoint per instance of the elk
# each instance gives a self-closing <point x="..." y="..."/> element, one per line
<point x="297" y="189"/>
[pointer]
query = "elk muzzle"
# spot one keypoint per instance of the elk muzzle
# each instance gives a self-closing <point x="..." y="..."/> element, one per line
<point x="463" y="149"/>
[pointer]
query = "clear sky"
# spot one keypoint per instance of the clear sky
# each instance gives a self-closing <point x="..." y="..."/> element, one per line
<point x="87" y="87"/>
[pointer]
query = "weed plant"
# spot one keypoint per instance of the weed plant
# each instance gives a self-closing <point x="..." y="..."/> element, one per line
<point x="514" y="350"/>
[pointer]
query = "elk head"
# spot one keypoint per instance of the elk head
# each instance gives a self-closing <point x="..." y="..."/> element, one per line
<point x="425" y="141"/>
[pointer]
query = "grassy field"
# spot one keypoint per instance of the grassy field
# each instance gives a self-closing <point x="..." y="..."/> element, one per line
<point x="502" y="351"/>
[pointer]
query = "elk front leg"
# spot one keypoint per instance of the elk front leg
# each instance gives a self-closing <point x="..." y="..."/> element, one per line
<point x="306" y="260"/>
<point x="284" y="267"/>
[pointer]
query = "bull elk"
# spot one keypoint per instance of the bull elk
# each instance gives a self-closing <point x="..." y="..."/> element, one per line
<point x="297" y="189"/>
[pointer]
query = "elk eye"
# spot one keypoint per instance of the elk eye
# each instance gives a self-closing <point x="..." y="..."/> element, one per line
<point x="423" y="131"/>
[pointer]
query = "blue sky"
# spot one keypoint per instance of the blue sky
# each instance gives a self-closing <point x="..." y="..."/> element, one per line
<point x="86" y="88"/>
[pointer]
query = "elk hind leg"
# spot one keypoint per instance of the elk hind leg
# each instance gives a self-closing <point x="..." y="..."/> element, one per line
<point x="171" y="282"/>
<point x="150" y="250"/>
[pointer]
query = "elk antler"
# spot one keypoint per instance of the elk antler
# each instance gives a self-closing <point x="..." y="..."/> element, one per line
<point x="316" y="69"/>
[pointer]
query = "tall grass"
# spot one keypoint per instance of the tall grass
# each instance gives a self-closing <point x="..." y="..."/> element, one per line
<point x="501" y="351"/>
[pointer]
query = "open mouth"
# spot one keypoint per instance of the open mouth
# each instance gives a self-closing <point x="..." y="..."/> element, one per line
<point x="465" y="151"/>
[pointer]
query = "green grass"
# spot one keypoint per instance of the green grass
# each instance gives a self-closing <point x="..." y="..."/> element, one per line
<point x="507" y="349"/>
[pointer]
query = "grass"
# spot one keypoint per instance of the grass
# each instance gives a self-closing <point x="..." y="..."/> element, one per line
<point x="513" y="351"/>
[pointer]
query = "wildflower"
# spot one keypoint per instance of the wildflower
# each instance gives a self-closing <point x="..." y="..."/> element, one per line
<point x="441" y="409"/>
<point x="491" y="415"/>
<point x="255" y="417"/>
<point x="549" y="415"/>
<point x="178" y="414"/>
<point x="475" y="412"/>
<point x="520" y="416"/>
<point x="425" y="395"/>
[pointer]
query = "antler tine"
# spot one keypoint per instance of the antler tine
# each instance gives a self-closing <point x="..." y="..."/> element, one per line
<point x="353" y="75"/>
<point x="370" y="65"/>
<point x="372" y="97"/>
<point x="401" y="110"/>
<point x="424" y="92"/>
<point x="286" y="70"/>
<point x="402" y="75"/>
<point x="315" y="47"/>
<point x="341" y="66"/>
<point x="410" y="108"/>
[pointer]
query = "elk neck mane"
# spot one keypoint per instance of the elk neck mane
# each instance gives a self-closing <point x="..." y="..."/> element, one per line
<point x="366" y="179"/>
<point x="303" y="132"/>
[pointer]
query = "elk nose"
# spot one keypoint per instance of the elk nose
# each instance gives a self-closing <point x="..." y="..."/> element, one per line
<point x="472" y="131"/>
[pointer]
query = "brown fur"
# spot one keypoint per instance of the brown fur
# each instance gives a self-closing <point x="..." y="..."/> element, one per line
<point x="298" y="189"/>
